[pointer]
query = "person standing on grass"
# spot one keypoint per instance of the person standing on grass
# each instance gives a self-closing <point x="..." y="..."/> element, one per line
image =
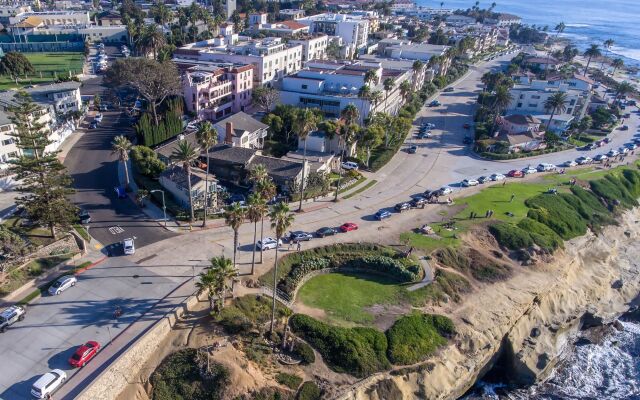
<point x="513" y="196"/>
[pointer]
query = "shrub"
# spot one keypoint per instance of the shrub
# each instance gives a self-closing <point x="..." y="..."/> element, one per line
<point x="453" y="258"/>
<point x="309" y="391"/>
<point x="267" y="393"/>
<point x="414" y="337"/>
<point x="612" y="192"/>
<point x="289" y="380"/>
<point x="541" y="234"/>
<point x="384" y="265"/>
<point x="146" y="161"/>
<point x="557" y="214"/>
<point x="511" y="236"/>
<point x="245" y="313"/>
<point x="304" y="352"/>
<point x="356" y="351"/>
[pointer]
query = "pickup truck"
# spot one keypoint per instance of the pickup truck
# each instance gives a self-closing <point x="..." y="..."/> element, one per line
<point x="10" y="316"/>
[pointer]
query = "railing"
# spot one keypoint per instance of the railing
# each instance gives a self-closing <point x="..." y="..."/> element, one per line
<point x="281" y="296"/>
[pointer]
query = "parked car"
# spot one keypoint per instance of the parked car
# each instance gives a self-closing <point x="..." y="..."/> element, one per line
<point x="268" y="243"/>
<point x="484" y="179"/>
<point x="299" y="236"/>
<point x="237" y="198"/>
<point x="600" y="158"/>
<point x="607" y="140"/>
<point x="48" y="383"/>
<point x="61" y="284"/>
<point x="514" y="173"/>
<point x="623" y="150"/>
<point x="326" y="231"/>
<point x="129" y="247"/>
<point x="584" y="160"/>
<point x="636" y="140"/>
<point x="349" y="165"/>
<point x="613" y="153"/>
<point x="418" y="202"/>
<point x="529" y="170"/>
<point x="348" y="226"/>
<point x="98" y="117"/>
<point x="449" y="90"/>
<point x="84" y="354"/>
<point x="631" y="146"/>
<point x="434" y="103"/>
<point x="400" y="207"/>
<point x="84" y="216"/>
<point x="624" y="127"/>
<point x="424" y="135"/>
<point x="544" y="167"/>
<point x="382" y="214"/>
<point x="569" y="163"/>
<point x="10" y="316"/>
<point x="429" y="125"/>
<point x="470" y="182"/>
<point x="93" y="125"/>
<point x="412" y="149"/>
<point x="497" y="177"/>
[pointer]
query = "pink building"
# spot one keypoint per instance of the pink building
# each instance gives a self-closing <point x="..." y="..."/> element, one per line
<point x="214" y="91"/>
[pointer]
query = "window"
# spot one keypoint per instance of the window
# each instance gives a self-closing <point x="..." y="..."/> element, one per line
<point x="519" y="105"/>
<point x="7" y="142"/>
<point x="572" y="102"/>
<point x="304" y="86"/>
<point x="533" y="105"/>
<point x="535" y="97"/>
<point x="569" y="110"/>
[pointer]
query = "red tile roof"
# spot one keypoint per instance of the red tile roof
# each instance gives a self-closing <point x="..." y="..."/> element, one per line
<point x="293" y="25"/>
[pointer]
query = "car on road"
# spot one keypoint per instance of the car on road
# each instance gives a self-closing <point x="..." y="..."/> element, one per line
<point x="268" y="243"/>
<point x="299" y="236"/>
<point x="417" y="202"/>
<point x="349" y="165"/>
<point x="84" y="216"/>
<point x="84" y="354"/>
<point x="382" y="214"/>
<point x="497" y="177"/>
<point x="348" y="226"/>
<point x="529" y="170"/>
<point x="400" y="207"/>
<point x="412" y="149"/>
<point x="449" y="90"/>
<point x="569" y="163"/>
<point x="600" y="158"/>
<point x="584" y="160"/>
<point x="613" y="153"/>
<point x="93" y="125"/>
<point x="48" y="383"/>
<point x="129" y="247"/>
<point x="470" y="182"/>
<point x="544" y="167"/>
<point x="61" y="284"/>
<point x="10" y="316"/>
<point x="424" y="135"/>
<point x="428" y="125"/>
<point x="623" y="150"/>
<point x="484" y="179"/>
<point x="624" y="127"/>
<point x="467" y="140"/>
<point x="434" y="103"/>
<point x="631" y="146"/>
<point x="445" y="190"/>
<point x="326" y="231"/>
<point x="514" y="173"/>
<point x="237" y="198"/>
<point x="607" y="140"/>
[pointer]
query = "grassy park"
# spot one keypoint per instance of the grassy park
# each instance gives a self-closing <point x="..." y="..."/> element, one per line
<point x="48" y="67"/>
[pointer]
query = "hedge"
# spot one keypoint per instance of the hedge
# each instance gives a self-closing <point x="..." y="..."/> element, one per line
<point x="304" y="352"/>
<point x="356" y="351"/>
<point x="413" y="337"/>
<point x="309" y="391"/>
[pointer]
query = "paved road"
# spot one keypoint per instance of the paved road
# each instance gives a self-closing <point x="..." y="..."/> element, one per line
<point x="56" y="324"/>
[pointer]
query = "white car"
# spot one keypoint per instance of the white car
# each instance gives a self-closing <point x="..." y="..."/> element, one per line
<point x="268" y="243"/>
<point x="600" y="158"/>
<point x="48" y="383"/>
<point x="544" y="167"/>
<point x="63" y="283"/>
<point x="623" y="150"/>
<point x="470" y="182"/>
<point x="529" y="170"/>
<point x="129" y="246"/>
<point x="613" y="153"/>
<point x="349" y="165"/>
<point x="584" y="160"/>
<point x="98" y="117"/>
<point x="498" y="177"/>
<point x="445" y="190"/>
<point x="569" y="163"/>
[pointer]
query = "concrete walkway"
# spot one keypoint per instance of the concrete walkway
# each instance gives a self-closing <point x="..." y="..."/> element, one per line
<point x="428" y="276"/>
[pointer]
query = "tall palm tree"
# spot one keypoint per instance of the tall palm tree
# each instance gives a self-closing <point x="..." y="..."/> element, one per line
<point x="257" y="207"/>
<point x="607" y="44"/>
<point x="152" y="39"/>
<point x="559" y="29"/>
<point x="281" y="219"/>
<point x="121" y="147"/>
<point x="207" y="138"/>
<point x="501" y="100"/>
<point x="226" y="271"/>
<point x="375" y="98"/>
<point x="267" y="190"/>
<point x="210" y="282"/>
<point x="556" y="103"/>
<point x="623" y="88"/>
<point x="388" y="85"/>
<point x="616" y="64"/>
<point x="417" y="69"/>
<point x="186" y="155"/>
<point x="161" y="13"/>
<point x="592" y="52"/>
<point x="365" y="94"/>
<point x="370" y="77"/>
<point x="234" y="216"/>
<point x="405" y="90"/>
<point x="350" y="114"/>
<point x="306" y="121"/>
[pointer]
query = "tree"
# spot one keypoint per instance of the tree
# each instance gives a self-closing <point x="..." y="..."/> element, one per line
<point x="281" y="219"/>
<point x="305" y="123"/>
<point x="43" y="180"/>
<point x="186" y="154"/>
<point x="121" y="147"/>
<point x="257" y="208"/>
<point x="234" y="216"/>
<point x="556" y="103"/>
<point x="616" y="64"/>
<point x="607" y="44"/>
<point x="207" y="138"/>
<point x="405" y="90"/>
<point x="623" y="88"/>
<point x="388" y="85"/>
<point x="155" y="81"/>
<point x="417" y="69"/>
<point x="15" y="65"/>
<point x="146" y="161"/>
<point x="97" y="101"/>
<point x="265" y="97"/>
<point x="210" y="282"/>
<point x="370" y="77"/>
<point x="501" y="100"/>
<point x="551" y="138"/>
<point x="226" y="271"/>
<point x="266" y="189"/>
<point x="350" y="114"/>
<point x="592" y="52"/>
<point x="161" y="14"/>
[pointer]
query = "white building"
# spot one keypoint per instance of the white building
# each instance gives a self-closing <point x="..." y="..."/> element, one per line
<point x="506" y="20"/>
<point x="11" y="10"/>
<point x="241" y="130"/>
<point x="54" y="17"/>
<point x="8" y="148"/>
<point x="282" y="29"/>
<point x="353" y="29"/>
<point x="291" y="13"/>
<point x="314" y="46"/>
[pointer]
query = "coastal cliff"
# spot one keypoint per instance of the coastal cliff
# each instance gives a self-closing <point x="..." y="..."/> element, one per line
<point x="525" y="324"/>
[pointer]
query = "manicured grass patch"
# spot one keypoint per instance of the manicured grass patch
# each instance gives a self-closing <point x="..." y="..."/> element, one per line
<point x="35" y="268"/>
<point x="289" y="380"/>
<point x="444" y="238"/>
<point x="48" y="67"/>
<point x="362" y="189"/>
<point x="82" y="232"/>
<point x="413" y="337"/>
<point x="246" y="313"/>
<point x="345" y="297"/>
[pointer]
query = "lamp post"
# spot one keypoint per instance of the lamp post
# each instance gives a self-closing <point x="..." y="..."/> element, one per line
<point x="164" y="207"/>
<point x="335" y="199"/>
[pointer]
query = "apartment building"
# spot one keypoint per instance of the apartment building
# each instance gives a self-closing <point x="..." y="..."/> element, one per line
<point x="314" y="46"/>
<point x="282" y="29"/>
<point x="353" y="29"/>
<point x="271" y="57"/>
<point x="213" y="91"/>
<point x="8" y="148"/>
<point x="291" y="13"/>
<point x="54" y="17"/>
<point x="11" y="10"/>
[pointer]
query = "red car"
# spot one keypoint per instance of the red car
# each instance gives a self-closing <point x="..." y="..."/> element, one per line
<point x="514" y="173"/>
<point x="348" y="226"/>
<point x="84" y="354"/>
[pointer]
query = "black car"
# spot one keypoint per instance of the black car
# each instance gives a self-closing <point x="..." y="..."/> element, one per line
<point x="400" y="207"/>
<point x="326" y="231"/>
<point x="467" y="140"/>
<point x="484" y="179"/>
<point x="299" y="236"/>
<point x="412" y="149"/>
<point x="84" y="217"/>
<point x="418" y="202"/>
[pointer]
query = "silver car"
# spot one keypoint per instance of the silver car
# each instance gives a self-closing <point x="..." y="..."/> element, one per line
<point x="63" y="283"/>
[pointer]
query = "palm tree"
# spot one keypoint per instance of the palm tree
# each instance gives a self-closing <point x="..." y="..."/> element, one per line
<point x="281" y="219"/>
<point x="559" y="29"/>
<point x="405" y="89"/>
<point x="267" y="190"/>
<point x="617" y="64"/>
<point x="417" y="68"/>
<point x="234" y="216"/>
<point x="591" y="52"/>
<point x="257" y="207"/>
<point x="607" y="46"/>
<point x="501" y="100"/>
<point x="161" y="13"/>
<point x="226" y="272"/>
<point x="370" y="77"/>
<point x="207" y="138"/>
<point x="153" y="39"/>
<point x="121" y="146"/>
<point x="306" y="121"/>
<point x="186" y="154"/>
<point x="557" y="102"/>
<point x="388" y="85"/>
<point x="623" y="88"/>
<point x="375" y="98"/>
<point x="210" y="282"/>
<point x="350" y="114"/>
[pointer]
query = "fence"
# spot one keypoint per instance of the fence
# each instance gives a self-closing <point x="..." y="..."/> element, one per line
<point x="42" y="47"/>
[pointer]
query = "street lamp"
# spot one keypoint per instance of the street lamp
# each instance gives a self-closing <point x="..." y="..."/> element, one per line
<point x="164" y="207"/>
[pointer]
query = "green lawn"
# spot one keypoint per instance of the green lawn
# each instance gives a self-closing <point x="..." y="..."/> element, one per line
<point x="584" y="174"/>
<point x="47" y="66"/>
<point x="429" y="243"/>
<point x="344" y="297"/>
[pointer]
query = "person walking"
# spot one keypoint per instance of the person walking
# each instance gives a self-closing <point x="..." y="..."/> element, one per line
<point x="299" y="246"/>
<point x="513" y="196"/>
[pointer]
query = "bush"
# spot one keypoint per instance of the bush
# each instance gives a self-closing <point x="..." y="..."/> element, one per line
<point x="384" y="265"/>
<point x="511" y="236"/>
<point x="453" y="258"/>
<point x="541" y="234"/>
<point x="146" y="161"/>
<point x="557" y="214"/>
<point x="309" y="391"/>
<point x="356" y="351"/>
<point x="414" y="337"/>
<point x="288" y="380"/>
<point x="612" y="191"/>
<point x="304" y="352"/>
<point x="246" y="313"/>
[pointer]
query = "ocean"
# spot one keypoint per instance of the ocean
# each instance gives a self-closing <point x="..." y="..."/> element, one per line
<point x="587" y="21"/>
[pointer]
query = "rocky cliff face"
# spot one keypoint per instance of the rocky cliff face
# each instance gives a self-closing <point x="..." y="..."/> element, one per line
<point x="527" y="322"/>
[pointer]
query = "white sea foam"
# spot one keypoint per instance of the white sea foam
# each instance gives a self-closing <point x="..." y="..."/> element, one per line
<point x="626" y="52"/>
<point x="577" y="25"/>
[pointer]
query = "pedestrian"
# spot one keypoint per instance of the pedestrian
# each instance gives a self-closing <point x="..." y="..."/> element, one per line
<point x="491" y="213"/>
<point x="290" y="244"/>
<point x="471" y="215"/>
<point x="513" y="196"/>
<point x="486" y="215"/>
<point x="299" y="246"/>
<point x="504" y="182"/>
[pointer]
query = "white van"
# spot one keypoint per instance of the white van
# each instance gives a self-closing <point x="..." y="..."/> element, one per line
<point x="129" y="247"/>
<point x="48" y="383"/>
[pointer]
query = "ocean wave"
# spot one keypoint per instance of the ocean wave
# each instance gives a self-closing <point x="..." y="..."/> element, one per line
<point x="577" y="25"/>
<point x="634" y="54"/>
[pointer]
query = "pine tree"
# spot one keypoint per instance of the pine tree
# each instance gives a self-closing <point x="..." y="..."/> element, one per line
<point x="44" y="182"/>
